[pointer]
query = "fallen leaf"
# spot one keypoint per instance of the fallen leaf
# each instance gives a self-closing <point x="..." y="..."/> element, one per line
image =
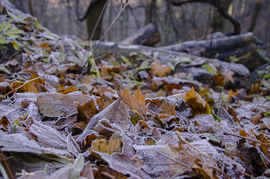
<point x="4" y="122"/>
<point x="159" y="70"/>
<point x="195" y="101"/>
<point x="86" y="111"/>
<point x="103" y="102"/>
<point x="136" y="101"/>
<point x="113" y="145"/>
<point x="116" y="113"/>
<point x="55" y="105"/>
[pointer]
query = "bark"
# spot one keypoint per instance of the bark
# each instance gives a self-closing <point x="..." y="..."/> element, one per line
<point x="92" y="15"/>
<point x="30" y="6"/>
<point x="243" y="46"/>
<point x="147" y="35"/>
<point x="255" y="15"/>
<point x="219" y="22"/>
<point x="217" y="4"/>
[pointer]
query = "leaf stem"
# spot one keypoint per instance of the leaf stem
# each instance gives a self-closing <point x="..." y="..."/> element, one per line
<point x="179" y="135"/>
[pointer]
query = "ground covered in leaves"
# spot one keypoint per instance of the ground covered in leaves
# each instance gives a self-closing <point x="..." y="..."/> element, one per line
<point x="124" y="117"/>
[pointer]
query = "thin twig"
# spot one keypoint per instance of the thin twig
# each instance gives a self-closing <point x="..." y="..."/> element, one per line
<point x="5" y="161"/>
<point x="57" y="155"/>
<point x="105" y="33"/>
<point x="264" y="162"/>
<point x="225" y="133"/>
<point x="26" y="83"/>
<point x="219" y="171"/>
<point x="223" y="87"/>
<point x="179" y="135"/>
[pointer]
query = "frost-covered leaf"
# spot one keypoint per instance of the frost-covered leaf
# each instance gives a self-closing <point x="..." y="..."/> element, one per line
<point x="20" y="143"/>
<point x="160" y="70"/>
<point x="136" y="101"/>
<point x="116" y="113"/>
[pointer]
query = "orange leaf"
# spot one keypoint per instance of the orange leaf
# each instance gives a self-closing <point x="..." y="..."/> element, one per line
<point x="137" y="101"/>
<point x="195" y="101"/>
<point x="35" y="86"/>
<point x="159" y="70"/>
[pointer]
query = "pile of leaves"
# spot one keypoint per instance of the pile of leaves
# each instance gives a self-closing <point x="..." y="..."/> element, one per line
<point x="57" y="123"/>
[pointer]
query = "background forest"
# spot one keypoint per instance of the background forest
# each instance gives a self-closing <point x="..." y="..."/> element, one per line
<point x="176" y="24"/>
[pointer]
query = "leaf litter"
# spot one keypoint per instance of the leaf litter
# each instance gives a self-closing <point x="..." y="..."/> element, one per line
<point x="128" y="117"/>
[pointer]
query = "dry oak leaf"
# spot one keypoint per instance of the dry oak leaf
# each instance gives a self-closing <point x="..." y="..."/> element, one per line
<point x="137" y="101"/>
<point x="35" y="86"/>
<point x="159" y="70"/>
<point x="116" y="113"/>
<point x="86" y="111"/>
<point x="195" y="101"/>
<point x="103" y="102"/>
<point x="113" y="145"/>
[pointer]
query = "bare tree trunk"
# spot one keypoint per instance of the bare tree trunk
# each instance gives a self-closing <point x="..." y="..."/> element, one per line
<point x="255" y="15"/>
<point x="92" y="15"/>
<point x="30" y="6"/>
<point x="217" y="4"/>
<point x="219" y="22"/>
<point x="69" y="16"/>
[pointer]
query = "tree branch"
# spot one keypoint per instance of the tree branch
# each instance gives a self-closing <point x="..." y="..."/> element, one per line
<point x="217" y="4"/>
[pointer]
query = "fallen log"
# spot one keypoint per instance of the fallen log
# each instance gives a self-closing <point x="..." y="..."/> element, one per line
<point x="147" y="35"/>
<point x="215" y="45"/>
<point x="243" y="46"/>
<point x="182" y="62"/>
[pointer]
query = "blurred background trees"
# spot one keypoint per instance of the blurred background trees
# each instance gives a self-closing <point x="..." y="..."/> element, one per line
<point x="176" y="24"/>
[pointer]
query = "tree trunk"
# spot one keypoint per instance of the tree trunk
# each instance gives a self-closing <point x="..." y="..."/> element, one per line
<point x="30" y="6"/>
<point x="217" y="4"/>
<point x="219" y="22"/>
<point x="147" y="35"/>
<point x="255" y="15"/>
<point x="92" y="15"/>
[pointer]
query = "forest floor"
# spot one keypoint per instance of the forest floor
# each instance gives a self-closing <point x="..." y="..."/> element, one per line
<point x="125" y="116"/>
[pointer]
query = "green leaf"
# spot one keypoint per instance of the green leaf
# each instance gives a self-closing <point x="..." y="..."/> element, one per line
<point x="144" y="65"/>
<point x="266" y="76"/>
<point x="217" y="54"/>
<point x="135" y="117"/>
<point x="17" y="122"/>
<point x="210" y="68"/>
<point x="15" y="31"/>
<point x="77" y="167"/>
<point x="62" y="57"/>
<point x="15" y="45"/>
<point x="126" y="60"/>
<point x="217" y="118"/>
<point x="2" y="25"/>
<point x="7" y="27"/>
<point x="2" y="39"/>
<point x="36" y="24"/>
<point x="214" y="138"/>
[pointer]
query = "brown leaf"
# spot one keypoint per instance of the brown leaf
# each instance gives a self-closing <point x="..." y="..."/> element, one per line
<point x="55" y="105"/>
<point x="166" y="104"/>
<point x="137" y="101"/>
<point x="35" y="86"/>
<point x="103" y="102"/>
<point x="4" y="122"/>
<point x="116" y="113"/>
<point x="86" y="111"/>
<point x="87" y="172"/>
<point x="195" y="101"/>
<point x="159" y="70"/>
<point x="113" y="145"/>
